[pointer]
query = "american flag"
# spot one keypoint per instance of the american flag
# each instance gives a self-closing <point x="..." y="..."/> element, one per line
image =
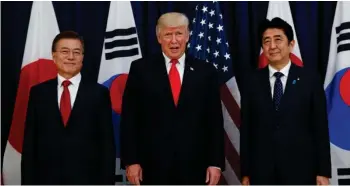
<point x="208" y="43"/>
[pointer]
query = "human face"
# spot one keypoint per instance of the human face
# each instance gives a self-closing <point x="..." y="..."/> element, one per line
<point x="173" y="41"/>
<point x="276" y="46"/>
<point x="68" y="57"/>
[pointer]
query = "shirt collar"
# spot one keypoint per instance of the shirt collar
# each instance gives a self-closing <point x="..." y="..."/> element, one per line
<point x="284" y="70"/>
<point x="75" y="80"/>
<point x="181" y="59"/>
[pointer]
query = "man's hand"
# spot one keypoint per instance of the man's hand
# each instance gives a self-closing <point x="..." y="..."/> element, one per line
<point x="213" y="175"/>
<point x="245" y="181"/>
<point x="321" y="180"/>
<point x="134" y="174"/>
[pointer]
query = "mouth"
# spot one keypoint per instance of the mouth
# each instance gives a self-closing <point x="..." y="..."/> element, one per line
<point x="69" y="63"/>
<point x="174" y="49"/>
<point x="274" y="54"/>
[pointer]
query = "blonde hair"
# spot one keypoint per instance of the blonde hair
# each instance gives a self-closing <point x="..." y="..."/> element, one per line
<point x="171" y="19"/>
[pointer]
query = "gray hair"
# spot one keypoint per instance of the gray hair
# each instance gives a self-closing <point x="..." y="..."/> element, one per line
<point x="171" y="19"/>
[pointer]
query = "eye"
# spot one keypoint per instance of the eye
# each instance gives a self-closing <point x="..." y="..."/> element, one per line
<point x="64" y="52"/>
<point x="76" y="52"/>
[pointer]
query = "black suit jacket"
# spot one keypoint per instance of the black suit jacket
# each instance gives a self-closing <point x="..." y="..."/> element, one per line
<point x="174" y="145"/>
<point x="291" y="145"/>
<point x="81" y="153"/>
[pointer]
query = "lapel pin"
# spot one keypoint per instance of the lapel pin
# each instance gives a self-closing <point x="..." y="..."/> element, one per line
<point x="298" y="79"/>
<point x="191" y="69"/>
<point x="294" y="82"/>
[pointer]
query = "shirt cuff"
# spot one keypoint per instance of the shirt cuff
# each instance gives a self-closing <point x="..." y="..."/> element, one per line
<point x="216" y="167"/>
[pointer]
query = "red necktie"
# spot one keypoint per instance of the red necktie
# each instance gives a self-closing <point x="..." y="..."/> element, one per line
<point x="65" y="106"/>
<point x="175" y="81"/>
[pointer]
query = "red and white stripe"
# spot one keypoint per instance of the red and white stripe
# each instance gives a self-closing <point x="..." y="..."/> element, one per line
<point x="230" y="98"/>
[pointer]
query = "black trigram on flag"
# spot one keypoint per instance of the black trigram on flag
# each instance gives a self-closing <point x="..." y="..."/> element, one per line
<point x="343" y="39"/>
<point x="343" y="176"/>
<point x="120" y="48"/>
<point x="121" y="43"/>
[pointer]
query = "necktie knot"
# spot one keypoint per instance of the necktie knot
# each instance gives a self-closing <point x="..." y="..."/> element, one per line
<point x="66" y="83"/>
<point x="174" y="61"/>
<point x="278" y="75"/>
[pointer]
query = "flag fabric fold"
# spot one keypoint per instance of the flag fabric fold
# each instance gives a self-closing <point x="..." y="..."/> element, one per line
<point x="121" y="47"/>
<point x="208" y="42"/>
<point x="37" y="67"/>
<point x="337" y="89"/>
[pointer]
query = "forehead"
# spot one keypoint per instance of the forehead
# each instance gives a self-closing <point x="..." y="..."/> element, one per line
<point x="173" y="28"/>
<point x="271" y="32"/>
<point x="69" y="43"/>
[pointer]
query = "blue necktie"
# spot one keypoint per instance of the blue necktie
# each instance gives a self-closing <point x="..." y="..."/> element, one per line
<point x="278" y="90"/>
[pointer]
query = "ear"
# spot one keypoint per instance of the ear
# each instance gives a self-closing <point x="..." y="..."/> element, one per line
<point x="54" y="55"/>
<point x="187" y="36"/>
<point x="159" y="38"/>
<point x="291" y="45"/>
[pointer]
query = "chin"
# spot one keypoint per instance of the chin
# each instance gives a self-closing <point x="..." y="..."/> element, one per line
<point x="72" y="72"/>
<point x="275" y="59"/>
<point x="174" y="56"/>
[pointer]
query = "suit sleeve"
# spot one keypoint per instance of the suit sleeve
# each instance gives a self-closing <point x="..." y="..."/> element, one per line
<point x="129" y="119"/>
<point x="28" y="151"/>
<point x="244" y="129"/>
<point x="108" y="151"/>
<point x="216" y="124"/>
<point x="320" y="125"/>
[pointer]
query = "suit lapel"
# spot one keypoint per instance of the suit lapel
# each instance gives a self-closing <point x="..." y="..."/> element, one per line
<point x="186" y="80"/>
<point x="266" y="86"/>
<point x="52" y="99"/>
<point x="161" y="79"/>
<point x="289" y="91"/>
<point x="78" y="103"/>
<point x="80" y="99"/>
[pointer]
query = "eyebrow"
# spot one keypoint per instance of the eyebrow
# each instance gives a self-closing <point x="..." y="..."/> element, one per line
<point x="265" y="38"/>
<point x="66" y="48"/>
<point x="275" y="36"/>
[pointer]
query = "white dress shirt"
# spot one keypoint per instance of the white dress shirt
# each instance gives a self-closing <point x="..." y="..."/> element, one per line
<point x="73" y="88"/>
<point x="180" y="66"/>
<point x="284" y="71"/>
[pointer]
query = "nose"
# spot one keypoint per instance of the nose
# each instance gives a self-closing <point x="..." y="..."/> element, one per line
<point x="273" y="45"/>
<point x="173" y="39"/>
<point x="70" y="55"/>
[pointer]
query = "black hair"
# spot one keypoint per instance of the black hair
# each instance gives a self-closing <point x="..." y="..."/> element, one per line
<point x="276" y="23"/>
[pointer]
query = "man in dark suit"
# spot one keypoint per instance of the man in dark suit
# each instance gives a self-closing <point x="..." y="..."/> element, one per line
<point x="68" y="137"/>
<point x="284" y="131"/>
<point x="171" y="122"/>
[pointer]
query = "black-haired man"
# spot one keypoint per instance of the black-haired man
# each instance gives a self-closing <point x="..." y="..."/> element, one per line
<point x="284" y="132"/>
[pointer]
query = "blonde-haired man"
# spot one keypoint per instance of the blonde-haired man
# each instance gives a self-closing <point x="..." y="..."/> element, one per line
<point x="171" y="122"/>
